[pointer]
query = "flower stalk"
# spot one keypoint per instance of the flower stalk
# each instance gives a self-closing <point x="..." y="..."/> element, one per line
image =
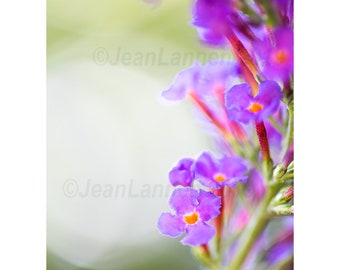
<point x="226" y="201"/>
<point x="256" y="226"/>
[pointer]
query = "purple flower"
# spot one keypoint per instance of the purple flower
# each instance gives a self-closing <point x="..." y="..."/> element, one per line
<point x="192" y="211"/>
<point x="277" y="56"/>
<point x="216" y="75"/>
<point x="282" y="247"/>
<point x="212" y="17"/>
<point x="216" y="19"/>
<point x="182" y="174"/>
<point x="215" y="173"/>
<point x="210" y="79"/>
<point x="184" y="82"/>
<point x="243" y="107"/>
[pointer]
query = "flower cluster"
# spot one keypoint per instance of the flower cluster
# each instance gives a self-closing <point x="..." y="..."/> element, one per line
<point x="193" y="209"/>
<point x="247" y="103"/>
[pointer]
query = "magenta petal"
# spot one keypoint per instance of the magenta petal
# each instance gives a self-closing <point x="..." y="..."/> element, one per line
<point x="284" y="42"/>
<point x="220" y="71"/>
<point x="208" y="205"/>
<point x="208" y="182"/>
<point x="240" y="115"/>
<point x="269" y="96"/>
<point x="211" y="18"/>
<point x="204" y="170"/>
<point x="171" y="225"/>
<point x="233" y="181"/>
<point x="232" y="166"/>
<point x="210" y="37"/>
<point x="237" y="100"/>
<point x="239" y="96"/>
<point x="207" y="167"/>
<point x="180" y="178"/>
<point x="198" y="234"/>
<point x="269" y="91"/>
<point x="183" y="200"/>
<point x="205" y="164"/>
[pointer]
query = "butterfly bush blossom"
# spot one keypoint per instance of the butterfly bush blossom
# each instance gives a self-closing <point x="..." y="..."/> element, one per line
<point x="243" y="107"/>
<point x="225" y="199"/>
<point x="193" y="210"/>
<point x="216" y="173"/>
<point x="182" y="174"/>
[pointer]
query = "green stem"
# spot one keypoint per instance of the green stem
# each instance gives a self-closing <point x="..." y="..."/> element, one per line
<point x="256" y="226"/>
<point x="276" y="124"/>
<point x="272" y="17"/>
<point x="247" y="9"/>
<point x="285" y="263"/>
<point x="290" y="132"/>
<point x="286" y="177"/>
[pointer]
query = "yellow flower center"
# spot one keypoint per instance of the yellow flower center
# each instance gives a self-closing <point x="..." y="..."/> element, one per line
<point x="191" y="219"/>
<point x="219" y="177"/>
<point x="255" y="107"/>
<point x="280" y="56"/>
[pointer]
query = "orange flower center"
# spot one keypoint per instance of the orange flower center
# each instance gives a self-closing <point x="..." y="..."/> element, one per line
<point x="191" y="219"/>
<point x="255" y="107"/>
<point x="280" y="56"/>
<point x="219" y="177"/>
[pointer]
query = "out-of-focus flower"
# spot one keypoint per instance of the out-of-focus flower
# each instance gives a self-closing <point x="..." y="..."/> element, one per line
<point x="216" y="19"/>
<point x="276" y="54"/>
<point x="216" y="75"/>
<point x="212" y="18"/>
<point x="183" y="83"/>
<point x="243" y="107"/>
<point x="256" y="187"/>
<point x="215" y="173"/>
<point x="282" y="246"/>
<point x="182" y="174"/>
<point x="210" y="79"/>
<point x="206" y="86"/>
<point x="192" y="211"/>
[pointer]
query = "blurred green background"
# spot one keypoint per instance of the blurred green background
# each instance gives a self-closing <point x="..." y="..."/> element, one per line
<point x="107" y="63"/>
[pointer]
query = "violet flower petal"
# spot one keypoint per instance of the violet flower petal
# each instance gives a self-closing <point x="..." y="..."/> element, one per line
<point x="208" y="205"/>
<point x="269" y="96"/>
<point x="183" y="200"/>
<point x="198" y="234"/>
<point x="182" y="174"/>
<point x="184" y="82"/>
<point x="171" y="225"/>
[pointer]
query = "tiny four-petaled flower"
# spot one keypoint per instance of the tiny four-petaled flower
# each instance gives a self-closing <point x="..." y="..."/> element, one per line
<point x="215" y="173"/>
<point x="192" y="211"/>
<point x="243" y="107"/>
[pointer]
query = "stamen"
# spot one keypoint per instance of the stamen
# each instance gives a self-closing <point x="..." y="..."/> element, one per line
<point x="255" y="107"/>
<point x="191" y="219"/>
<point x="280" y="56"/>
<point x="219" y="177"/>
